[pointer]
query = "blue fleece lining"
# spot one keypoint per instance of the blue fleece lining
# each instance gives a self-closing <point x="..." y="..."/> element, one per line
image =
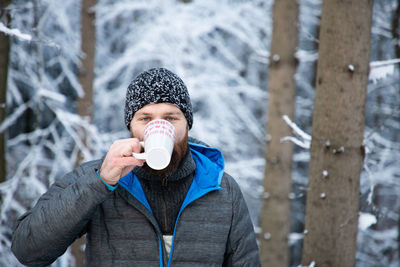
<point x="160" y="249"/>
<point x="131" y="183"/>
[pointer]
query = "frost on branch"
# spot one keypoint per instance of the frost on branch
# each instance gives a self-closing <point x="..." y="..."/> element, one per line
<point x="381" y="69"/>
<point x="15" y="32"/>
<point x="312" y="264"/>
<point x="303" y="139"/>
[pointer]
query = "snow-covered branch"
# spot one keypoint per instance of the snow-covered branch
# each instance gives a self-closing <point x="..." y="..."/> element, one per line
<point x="305" y="139"/>
<point x="15" y="32"/>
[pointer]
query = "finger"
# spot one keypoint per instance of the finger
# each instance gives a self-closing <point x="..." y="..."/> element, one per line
<point x="125" y="147"/>
<point x="118" y="144"/>
<point x="128" y="161"/>
<point x="126" y="140"/>
<point x="136" y="147"/>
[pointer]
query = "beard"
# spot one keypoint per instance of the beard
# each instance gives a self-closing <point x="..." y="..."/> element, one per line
<point x="178" y="153"/>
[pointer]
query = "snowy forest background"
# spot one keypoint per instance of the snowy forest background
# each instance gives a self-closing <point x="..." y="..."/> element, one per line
<point x="221" y="51"/>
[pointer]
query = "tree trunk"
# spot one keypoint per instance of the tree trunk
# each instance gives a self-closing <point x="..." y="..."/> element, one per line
<point x="4" y="57"/>
<point x="86" y="72"/>
<point x="337" y="134"/>
<point x="275" y="217"/>
<point x="85" y="103"/>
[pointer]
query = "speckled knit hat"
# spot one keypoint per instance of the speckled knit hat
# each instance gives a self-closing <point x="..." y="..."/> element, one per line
<point x="155" y="86"/>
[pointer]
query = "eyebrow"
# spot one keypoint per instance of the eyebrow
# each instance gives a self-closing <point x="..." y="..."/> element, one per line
<point x="173" y="113"/>
<point x="141" y="113"/>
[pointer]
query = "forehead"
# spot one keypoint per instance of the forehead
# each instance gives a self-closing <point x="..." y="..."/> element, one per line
<point x="160" y="108"/>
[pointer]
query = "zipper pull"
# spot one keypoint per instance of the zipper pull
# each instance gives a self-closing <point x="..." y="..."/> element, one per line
<point x="164" y="181"/>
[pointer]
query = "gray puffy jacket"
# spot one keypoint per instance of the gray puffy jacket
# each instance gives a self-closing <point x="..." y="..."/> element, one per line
<point x="213" y="227"/>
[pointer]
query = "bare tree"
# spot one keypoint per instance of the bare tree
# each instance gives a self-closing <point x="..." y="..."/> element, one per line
<point x="337" y="133"/>
<point x="275" y="217"/>
<point x="86" y="72"/>
<point x="4" y="57"/>
<point x="85" y="103"/>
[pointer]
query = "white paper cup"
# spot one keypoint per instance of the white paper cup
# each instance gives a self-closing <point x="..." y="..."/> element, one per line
<point x="159" y="137"/>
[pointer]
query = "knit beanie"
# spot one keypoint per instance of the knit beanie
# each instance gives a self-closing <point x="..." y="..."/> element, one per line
<point x="154" y="86"/>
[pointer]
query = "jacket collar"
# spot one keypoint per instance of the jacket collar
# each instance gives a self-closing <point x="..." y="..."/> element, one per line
<point x="208" y="175"/>
<point x="186" y="167"/>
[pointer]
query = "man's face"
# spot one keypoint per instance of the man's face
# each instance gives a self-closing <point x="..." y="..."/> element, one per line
<point x="172" y="114"/>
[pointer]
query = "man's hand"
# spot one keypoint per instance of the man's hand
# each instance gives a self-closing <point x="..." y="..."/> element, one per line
<point x="119" y="160"/>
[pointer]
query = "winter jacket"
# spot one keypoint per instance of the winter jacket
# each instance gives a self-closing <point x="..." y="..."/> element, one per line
<point x="213" y="227"/>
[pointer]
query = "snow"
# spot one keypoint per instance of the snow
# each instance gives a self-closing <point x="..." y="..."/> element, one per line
<point x="267" y="236"/>
<point x="15" y="32"/>
<point x="221" y="51"/>
<point x="365" y="220"/>
<point x="312" y="264"/>
<point x="306" y="138"/>
<point x="381" y="69"/>
<point x="295" y="237"/>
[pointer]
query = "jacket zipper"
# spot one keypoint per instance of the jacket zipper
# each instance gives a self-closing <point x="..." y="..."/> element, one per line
<point x="165" y="211"/>
<point x="163" y="187"/>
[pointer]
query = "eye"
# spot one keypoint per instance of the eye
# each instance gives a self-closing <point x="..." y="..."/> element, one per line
<point x="171" y="118"/>
<point x="145" y="119"/>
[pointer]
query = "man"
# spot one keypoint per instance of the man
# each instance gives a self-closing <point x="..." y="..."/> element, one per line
<point x="189" y="214"/>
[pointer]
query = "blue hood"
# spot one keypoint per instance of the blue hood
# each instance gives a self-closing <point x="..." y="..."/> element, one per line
<point x="209" y="165"/>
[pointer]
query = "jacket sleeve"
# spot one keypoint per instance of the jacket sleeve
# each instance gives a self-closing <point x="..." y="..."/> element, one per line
<point x="242" y="248"/>
<point x="59" y="217"/>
